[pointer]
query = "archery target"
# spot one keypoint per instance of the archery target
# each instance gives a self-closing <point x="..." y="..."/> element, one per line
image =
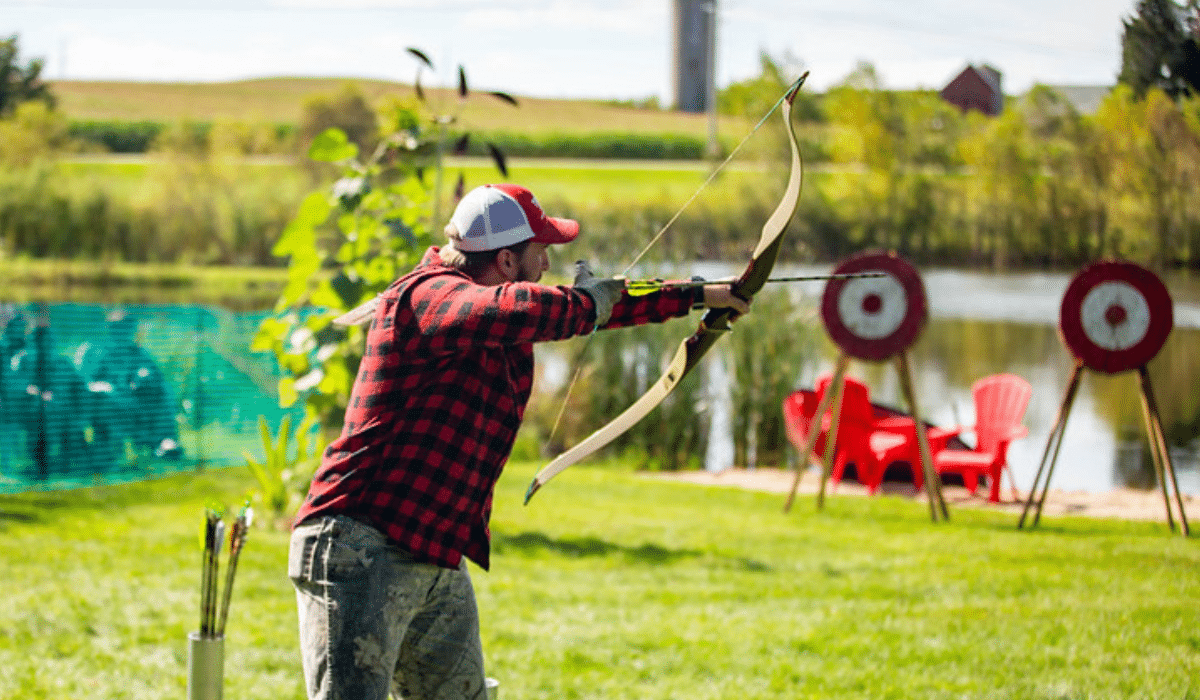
<point x="872" y="307"/>
<point x="875" y="318"/>
<point x="1115" y="316"/>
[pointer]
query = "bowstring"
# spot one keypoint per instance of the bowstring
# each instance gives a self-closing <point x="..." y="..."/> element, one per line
<point x="708" y="180"/>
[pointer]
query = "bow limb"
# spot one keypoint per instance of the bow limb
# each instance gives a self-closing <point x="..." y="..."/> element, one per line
<point x="713" y="324"/>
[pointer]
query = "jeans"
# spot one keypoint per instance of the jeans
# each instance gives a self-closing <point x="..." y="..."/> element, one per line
<point x="372" y="619"/>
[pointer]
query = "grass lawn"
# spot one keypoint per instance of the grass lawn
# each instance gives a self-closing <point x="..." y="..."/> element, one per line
<point x="613" y="585"/>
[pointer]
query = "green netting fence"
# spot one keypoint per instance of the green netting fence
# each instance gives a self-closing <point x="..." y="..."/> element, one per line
<point x="94" y="394"/>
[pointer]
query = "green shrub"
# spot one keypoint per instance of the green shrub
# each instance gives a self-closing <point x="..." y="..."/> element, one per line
<point x="117" y="136"/>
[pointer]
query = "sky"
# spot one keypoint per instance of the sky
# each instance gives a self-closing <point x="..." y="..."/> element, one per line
<point x="605" y="49"/>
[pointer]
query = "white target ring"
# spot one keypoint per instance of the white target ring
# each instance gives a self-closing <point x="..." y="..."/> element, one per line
<point x="1115" y="316"/>
<point x="873" y="307"/>
<point x="875" y="318"/>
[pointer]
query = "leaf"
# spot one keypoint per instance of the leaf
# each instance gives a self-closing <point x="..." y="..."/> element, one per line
<point x="287" y="392"/>
<point x="460" y="146"/>
<point x="332" y="146"/>
<point x="421" y="55"/>
<point x="300" y="236"/>
<point x="264" y="434"/>
<point x="501" y="163"/>
<point x="505" y="97"/>
<point x="398" y="229"/>
<point x="462" y="83"/>
<point x="349" y="291"/>
<point x="280" y="453"/>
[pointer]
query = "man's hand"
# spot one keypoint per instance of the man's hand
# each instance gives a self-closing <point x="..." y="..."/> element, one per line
<point x="721" y="296"/>
<point x="604" y="292"/>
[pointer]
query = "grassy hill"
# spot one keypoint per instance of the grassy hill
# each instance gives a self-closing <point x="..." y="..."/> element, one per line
<point x="279" y="100"/>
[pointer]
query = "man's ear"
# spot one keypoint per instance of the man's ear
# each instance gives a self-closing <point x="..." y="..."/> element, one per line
<point x="506" y="262"/>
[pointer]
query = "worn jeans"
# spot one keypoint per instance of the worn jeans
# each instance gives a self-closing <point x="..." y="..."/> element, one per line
<point x="373" y="619"/>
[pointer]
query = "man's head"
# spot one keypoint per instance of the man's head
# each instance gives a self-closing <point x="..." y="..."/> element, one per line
<point x="504" y="225"/>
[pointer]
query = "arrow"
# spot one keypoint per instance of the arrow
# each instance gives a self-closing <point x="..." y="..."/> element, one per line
<point x="640" y="288"/>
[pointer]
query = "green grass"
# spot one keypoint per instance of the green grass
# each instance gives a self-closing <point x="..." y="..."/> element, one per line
<point x="613" y="585"/>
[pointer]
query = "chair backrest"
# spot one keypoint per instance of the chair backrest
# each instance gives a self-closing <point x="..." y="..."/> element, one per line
<point x="1000" y="402"/>
<point x="856" y="417"/>
<point x="798" y="410"/>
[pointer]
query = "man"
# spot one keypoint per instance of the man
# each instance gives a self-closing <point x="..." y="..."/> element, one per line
<point x="405" y="493"/>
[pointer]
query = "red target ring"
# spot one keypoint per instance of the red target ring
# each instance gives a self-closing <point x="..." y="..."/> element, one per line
<point x="875" y="318"/>
<point x="1115" y="316"/>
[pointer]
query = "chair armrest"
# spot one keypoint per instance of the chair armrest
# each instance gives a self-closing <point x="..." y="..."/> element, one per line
<point x="935" y="432"/>
<point x="1017" y="431"/>
<point x="896" y="424"/>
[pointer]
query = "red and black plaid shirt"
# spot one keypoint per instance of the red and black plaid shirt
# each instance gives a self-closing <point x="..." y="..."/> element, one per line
<point x="438" y="400"/>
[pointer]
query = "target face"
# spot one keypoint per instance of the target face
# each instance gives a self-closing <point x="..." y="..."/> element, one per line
<point x="875" y="318"/>
<point x="1115" y="316"/>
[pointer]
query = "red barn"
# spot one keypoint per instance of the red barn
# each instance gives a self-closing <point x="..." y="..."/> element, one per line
<point x="976" y="87"/>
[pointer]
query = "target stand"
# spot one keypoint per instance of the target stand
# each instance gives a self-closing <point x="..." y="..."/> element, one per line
<point x="1115" y="317"/>
<point x="873" y="319"/>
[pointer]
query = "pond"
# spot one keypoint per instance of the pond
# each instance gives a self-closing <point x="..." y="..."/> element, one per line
<point x="982" y="324"/>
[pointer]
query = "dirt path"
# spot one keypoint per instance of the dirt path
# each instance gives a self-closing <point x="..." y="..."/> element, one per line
<point x="1126" y="504"/>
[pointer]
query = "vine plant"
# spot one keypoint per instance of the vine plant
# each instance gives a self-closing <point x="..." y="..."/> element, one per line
<point x="350" y="239"/>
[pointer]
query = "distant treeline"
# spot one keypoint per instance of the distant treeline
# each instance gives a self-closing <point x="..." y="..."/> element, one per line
<point x="1040" y="186"/>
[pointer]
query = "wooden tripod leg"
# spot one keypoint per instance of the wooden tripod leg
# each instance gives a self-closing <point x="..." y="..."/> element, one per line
<point x="837" y="387"/>
<point x="1158" y="446"/>
<point x="814" y="431"/>
<point x="933" y="483"/>
<point x="1053" y="443"/>
<point x="1012" y="482"/>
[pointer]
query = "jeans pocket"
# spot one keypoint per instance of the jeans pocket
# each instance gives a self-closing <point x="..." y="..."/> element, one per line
<point x="300" y="553"/>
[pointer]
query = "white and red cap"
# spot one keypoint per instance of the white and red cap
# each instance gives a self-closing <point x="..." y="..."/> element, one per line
<point x="497" y="216"/>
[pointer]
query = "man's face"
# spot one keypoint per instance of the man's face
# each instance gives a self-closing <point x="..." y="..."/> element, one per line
<point x="533" y="262"/>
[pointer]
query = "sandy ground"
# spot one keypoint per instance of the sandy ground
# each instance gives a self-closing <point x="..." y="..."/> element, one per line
<point x="1126" y="504"/>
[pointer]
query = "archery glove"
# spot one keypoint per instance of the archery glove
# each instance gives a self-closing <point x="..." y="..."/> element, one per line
<point x="604" y="291"/>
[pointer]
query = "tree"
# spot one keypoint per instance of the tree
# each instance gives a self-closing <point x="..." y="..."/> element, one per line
<point x="755" y="96"/>
<point x="347" y="110"/>
<point x="20" y="84"/>
<point x="1160" y="47"/>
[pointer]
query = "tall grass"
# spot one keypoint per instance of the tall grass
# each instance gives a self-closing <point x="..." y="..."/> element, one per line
<point x="184" y="210"/>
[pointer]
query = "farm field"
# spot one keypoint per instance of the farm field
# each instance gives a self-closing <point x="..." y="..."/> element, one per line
<point x="279" y="100"/>
<point x="611" y="584"/>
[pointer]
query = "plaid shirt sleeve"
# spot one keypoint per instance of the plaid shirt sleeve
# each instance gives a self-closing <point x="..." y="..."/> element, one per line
<point x="455" y="313"/>
<point x="664" y="304"/>
<point x="466" y="314"/>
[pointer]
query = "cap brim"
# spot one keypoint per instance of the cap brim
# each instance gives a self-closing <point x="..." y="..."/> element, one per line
<point x="557" y="231"/>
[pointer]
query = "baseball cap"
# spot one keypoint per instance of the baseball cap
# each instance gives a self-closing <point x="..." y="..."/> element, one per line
<point x="496" y="216"/>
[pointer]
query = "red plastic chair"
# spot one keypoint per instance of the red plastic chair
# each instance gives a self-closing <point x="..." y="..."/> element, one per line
<point x="1000" y="403"/>
<point x="868" y="436"/>
<point x="798" y="410"/>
